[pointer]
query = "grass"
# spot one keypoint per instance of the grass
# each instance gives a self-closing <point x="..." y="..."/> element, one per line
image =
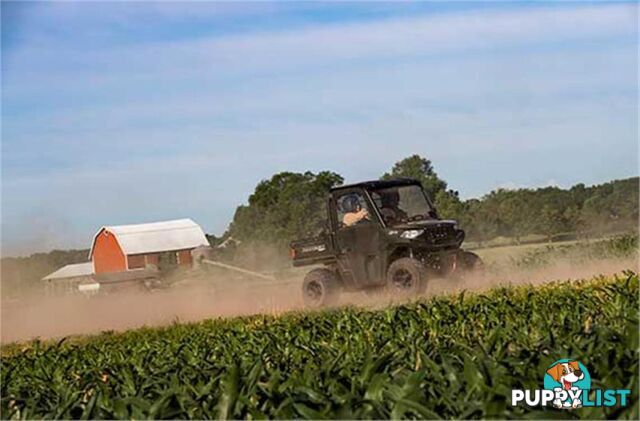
<point x="456" y="356"/>
<point x="527" y="255"/>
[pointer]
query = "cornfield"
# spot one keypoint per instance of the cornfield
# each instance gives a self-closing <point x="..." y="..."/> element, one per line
<point x="455" y="356"/>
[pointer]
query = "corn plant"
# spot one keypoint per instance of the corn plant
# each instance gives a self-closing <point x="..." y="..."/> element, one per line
<point x="455" y="356"/>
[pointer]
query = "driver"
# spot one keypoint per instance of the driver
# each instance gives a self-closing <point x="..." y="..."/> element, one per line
<point x="389" y="207"/>
<point x="354" y="211"/>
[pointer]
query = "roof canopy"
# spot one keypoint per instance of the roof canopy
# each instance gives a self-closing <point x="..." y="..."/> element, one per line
<point x="156" y="237"/>
<point x="379" y="184"/>
<point x="71" y="271"/>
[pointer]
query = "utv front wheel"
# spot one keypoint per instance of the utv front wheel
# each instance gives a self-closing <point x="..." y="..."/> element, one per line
<point x="320" y="288"/>
<point x="406" y="276"/>
<point x="471" y="263"/>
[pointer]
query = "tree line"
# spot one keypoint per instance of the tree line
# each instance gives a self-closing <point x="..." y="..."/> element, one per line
<point x="20" y="274"/>
<point x="291" y="205"/>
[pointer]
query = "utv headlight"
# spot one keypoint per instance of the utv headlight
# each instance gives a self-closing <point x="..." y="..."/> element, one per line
<point x="411" y="234"/>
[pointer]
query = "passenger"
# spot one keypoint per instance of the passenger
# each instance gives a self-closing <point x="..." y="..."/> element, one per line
<point x="354" y="211"/>
<point x="389" y="209"/>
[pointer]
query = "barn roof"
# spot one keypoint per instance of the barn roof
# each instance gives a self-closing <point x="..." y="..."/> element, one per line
<point x="71" y="271"/>
<point x="156" y="237"/>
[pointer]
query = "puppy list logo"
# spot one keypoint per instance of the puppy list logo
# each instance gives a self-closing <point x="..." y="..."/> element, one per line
<point x="567" y="385"/>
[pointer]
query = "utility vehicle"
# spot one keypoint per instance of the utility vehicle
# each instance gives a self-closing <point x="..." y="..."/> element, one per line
<point x="383" y="234"/>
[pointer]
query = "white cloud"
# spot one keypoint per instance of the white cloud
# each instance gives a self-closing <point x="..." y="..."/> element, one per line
<point x="278" y="51"/>
<point x="530" y="96"/>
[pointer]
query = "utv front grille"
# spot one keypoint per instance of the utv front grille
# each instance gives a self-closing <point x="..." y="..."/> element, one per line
<point x="440" y="234"/>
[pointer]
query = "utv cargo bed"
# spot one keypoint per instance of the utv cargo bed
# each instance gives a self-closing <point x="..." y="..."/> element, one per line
<point x="311" y="251"/>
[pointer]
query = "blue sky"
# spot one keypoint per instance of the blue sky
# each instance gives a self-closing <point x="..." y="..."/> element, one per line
<point x="128" y="112"/>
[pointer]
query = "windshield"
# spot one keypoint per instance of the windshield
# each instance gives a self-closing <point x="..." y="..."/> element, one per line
<point x="402" y="204"/>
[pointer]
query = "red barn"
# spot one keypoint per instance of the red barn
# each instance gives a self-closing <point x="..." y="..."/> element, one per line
<point x="126" y="247"/>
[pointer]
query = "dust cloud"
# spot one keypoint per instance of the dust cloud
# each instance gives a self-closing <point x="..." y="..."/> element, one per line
<point x="52" y="317"/>
<point x="199" y="299"/>
<point x="559" y="270"/>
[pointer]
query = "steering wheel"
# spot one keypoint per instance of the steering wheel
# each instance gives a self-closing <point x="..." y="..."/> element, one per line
<point x="417" y="217"/>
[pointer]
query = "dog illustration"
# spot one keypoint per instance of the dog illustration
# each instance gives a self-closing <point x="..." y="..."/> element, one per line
<point x="566" y="374"/>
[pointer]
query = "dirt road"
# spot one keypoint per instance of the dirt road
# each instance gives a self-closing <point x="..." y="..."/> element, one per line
<point x="71" y="315"/>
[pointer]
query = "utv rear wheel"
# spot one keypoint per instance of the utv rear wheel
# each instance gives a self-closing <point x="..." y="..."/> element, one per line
<point x="320" y="288"/>
<point x="406" y="276"/>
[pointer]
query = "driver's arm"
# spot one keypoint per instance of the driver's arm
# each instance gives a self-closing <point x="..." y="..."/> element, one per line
<point x="355" y="217"/>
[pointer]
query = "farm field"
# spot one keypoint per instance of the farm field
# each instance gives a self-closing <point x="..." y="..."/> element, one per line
<point x="503" y="254"/>
<point x="455" y="356"/>
<point x="599" y="248"/>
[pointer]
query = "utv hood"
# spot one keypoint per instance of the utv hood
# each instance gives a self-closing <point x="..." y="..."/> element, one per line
<point x="425" y="225"/>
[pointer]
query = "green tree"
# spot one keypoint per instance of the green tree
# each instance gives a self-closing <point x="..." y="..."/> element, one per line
<point x="574" y="219"/>
<point x="449" y="205"/>
<point x="550" y="221"/>
<point x="287" y="206"/>
<point x="481" y="224"/>
<point x="421" y="169"/>
<point x="517" y="213"/>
